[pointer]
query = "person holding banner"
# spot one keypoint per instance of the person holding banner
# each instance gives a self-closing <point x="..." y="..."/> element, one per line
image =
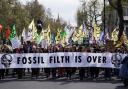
<point x="107" y="71"/>
<point x="35" y="71"/>
<point x="81" y="69"/>
<point x="61" y="71"/>
<point x="124" y="71"/>
<point x="68" y="69"/>
<point x="2" y="71"/>
<point x="53" y="70"/>
<point x="19" y="71"/>
<point x="28" y="49"/>
<point x="46" y="70"/>
<point x="94" y="71"/>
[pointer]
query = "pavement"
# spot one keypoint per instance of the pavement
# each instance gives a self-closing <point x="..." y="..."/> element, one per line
<point x="14" y="83"/>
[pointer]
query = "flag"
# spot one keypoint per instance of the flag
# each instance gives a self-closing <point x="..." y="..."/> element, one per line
<point x="49" y="35"/>
<point x="114" y="35"/>
<point x="52" y="38"/>
<point x="63" y="37"/>
<point x="90" y="35"/>
<point x="32" y="32"/>
<point x="78" y="34"/>
<point x="39" y="39"/>
<point x="16" y="43"/>
<point x="69" y="34"/>
<point x="58" y="36"/>
<point x="84" y="27"/>
<point x="24" y="34"/>
<point x="13" y="32"/>
<point x="96" y="32"/>
<point x="102" y="37"/>
<point x="1" y="30"/>
<point x="63" y="34"/>
<point x="46" y="35"/>
<point x="122" y="40"/>
<point x="119" y="42"/>
<point x="125" y="38"/>
<point x="80" y="31"/>
<point x="8" y="33"/>
<point x="1" y="27"/>
<point x="74" y="37"/>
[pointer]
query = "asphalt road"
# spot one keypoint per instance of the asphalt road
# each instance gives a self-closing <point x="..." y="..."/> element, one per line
<point x="60" y="84"/>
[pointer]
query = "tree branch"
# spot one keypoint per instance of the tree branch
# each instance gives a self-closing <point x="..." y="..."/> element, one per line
<point x="110" y="2"/>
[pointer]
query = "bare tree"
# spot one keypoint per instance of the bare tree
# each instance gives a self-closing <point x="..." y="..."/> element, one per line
<point x="117" y="5"/>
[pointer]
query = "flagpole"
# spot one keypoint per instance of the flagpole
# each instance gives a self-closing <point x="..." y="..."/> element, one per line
<point x="104" y="18"/>
<point x="104" y="23"/>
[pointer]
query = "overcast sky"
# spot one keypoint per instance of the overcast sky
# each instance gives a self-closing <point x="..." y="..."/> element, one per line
<point x="65" y="8"/>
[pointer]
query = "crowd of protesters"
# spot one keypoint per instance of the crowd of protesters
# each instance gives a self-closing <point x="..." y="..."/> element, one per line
<point x="55" y="73"/>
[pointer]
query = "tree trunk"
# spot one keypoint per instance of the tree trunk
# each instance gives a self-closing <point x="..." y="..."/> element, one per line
<point x="121" y="19"/>
<point x="118" y="7"/>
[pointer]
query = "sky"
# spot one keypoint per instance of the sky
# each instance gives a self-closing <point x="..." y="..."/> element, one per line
<point x="65" y="8"/>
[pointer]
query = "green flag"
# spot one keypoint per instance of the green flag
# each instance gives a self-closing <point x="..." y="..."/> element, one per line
<point x="63" y="34"/>
<point x="63" y="37"/>
<point x="39" y="38"/>
<point x="13" y="32"/>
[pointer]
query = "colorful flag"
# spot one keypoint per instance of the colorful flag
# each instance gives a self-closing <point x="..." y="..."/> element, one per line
<point x="32" y="32"/>
<point x="16" y="43"/>
<point x="114" y="35"/>
<point x="58" y="36"/>
<point x="53" y="38"/>
<point x="13" y="32"/>
<point x="39" y="39"/>
<point x="8" y="33"/>
<point x="49" y="35"/>
<point x="69" y="34"/>
<point x="78" y="34"/>
<point x="1" y="27"/>
<point x="102" y="37"/>
<point x="96" y="32"/>
<point x="125" y="38"/>
<point x="46" y="35"/>
<point x="90" y="35"/>
<point x="75" y="38"/>
<point x="84" y="27"/>
<point x="63" y="37"/>
<point x="24" y="34"/>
